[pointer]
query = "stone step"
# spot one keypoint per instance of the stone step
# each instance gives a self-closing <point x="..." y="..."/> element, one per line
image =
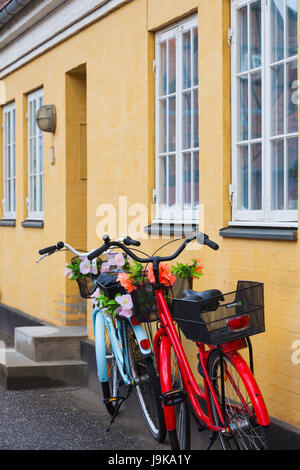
<point x="20" y="372"/>
<point x="49" y="343"/>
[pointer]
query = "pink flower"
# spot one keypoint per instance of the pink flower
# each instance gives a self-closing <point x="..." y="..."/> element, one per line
<point x="68" y="272"/>
<point x="95" y="295"/>
<point x="105" y="267"/>
<point x="111" y="259"/>
<point x="119" y="260"/>
<point x="125" y="301"/>
<point x="85" y="266"/>
<point x="124" y="312"/>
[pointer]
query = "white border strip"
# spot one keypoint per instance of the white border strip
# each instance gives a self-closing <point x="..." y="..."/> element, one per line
<point x="66" y="33"/>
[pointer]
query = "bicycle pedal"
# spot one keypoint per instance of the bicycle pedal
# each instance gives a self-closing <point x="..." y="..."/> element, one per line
<point x="111" y="400"/>
<point x="173" y="397"/>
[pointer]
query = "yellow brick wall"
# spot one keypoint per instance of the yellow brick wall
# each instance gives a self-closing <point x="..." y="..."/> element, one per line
<point x="118" y="53"/>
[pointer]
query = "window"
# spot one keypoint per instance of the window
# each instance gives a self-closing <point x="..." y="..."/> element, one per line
<point x="265" y="111"/>
<point x="9" y="161"/>
<point x="35" y="199"/>
<point x="177" y="135"/>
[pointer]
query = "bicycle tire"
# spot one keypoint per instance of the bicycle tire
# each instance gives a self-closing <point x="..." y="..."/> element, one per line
<point x="181" y="438"/>
<point x="110" y="387"/>
<point x="146" y="386"/>
<point x="239" y="411"/>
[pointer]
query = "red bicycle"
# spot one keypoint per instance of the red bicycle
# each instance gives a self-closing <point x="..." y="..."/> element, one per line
<point x="228" y="402"/>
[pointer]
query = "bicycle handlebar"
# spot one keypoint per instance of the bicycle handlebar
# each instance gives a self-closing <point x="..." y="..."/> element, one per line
<point x="51" y="249"/>
<point x="200" y="237"/>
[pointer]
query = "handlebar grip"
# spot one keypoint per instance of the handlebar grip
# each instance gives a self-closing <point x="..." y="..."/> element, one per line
<point x="129" y="241"/>
<point x="97" y="252"/>
<point x="51" y="249"/>
<point x="211" y="244"/>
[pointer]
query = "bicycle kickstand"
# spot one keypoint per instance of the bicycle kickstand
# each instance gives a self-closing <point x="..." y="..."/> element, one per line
<point x="120" y="401"/>
<point x="212" y="439"/>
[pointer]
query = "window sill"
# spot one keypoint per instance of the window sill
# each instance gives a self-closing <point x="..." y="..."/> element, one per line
<point x="7" y="223"/>
<point x="33" y="223"/>
<point x="181" y="229"/>
<point x="262" y="233"/>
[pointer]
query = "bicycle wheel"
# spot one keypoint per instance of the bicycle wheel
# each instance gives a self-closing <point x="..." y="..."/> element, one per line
<point x="181" y="438"/>
<point x="239" y="413"/>
<point x="147" y="387"/>
<point x="110" y="387"/>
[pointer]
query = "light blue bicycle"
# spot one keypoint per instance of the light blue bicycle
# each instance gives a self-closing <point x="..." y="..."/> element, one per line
<point x="124" y="359"/>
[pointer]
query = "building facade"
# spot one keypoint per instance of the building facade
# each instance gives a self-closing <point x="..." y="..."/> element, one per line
<point x="171" y="115"/>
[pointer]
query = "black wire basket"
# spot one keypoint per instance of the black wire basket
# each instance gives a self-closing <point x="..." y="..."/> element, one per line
<point x="223" y="318"/>
<point x="144" y="300"/>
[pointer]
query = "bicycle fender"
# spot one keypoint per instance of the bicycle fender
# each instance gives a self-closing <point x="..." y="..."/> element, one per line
<point x="99" y="332"/>
<point x="251" y="387"/>
<point x="141" y="335"/>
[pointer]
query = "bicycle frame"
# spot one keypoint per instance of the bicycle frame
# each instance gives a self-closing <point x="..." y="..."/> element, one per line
<point x="167" y="337"/>
<point x="105" y="322"/>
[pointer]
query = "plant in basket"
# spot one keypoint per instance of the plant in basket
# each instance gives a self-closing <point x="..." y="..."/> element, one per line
<point x="121" y="305"/>
<point x="186" y="271"/>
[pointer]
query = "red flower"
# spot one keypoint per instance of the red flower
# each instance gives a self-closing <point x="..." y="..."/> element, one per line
<point x="166" y="277"/>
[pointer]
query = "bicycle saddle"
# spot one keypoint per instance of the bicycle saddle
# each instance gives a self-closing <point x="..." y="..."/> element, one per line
<point x="210" y="299"/>
<point x="202" y="296"/>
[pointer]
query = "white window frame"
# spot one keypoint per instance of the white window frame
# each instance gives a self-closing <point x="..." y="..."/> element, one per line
<point x="35" y="213"/>
<point x="175" y="213"/>
<point x="266" y="216"/>
<point x="9" y="178"/>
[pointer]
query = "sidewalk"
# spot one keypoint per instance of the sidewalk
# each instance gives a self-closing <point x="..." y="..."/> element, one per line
<point x="71" y="419"/>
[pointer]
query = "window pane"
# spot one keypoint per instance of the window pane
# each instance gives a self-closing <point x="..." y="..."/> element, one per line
<point x="243" y="39"/>
<point x="195" y="58"/>
<point x="172" y="124"/>
<point x="186" y="120"/>
<point x="256" y="108"/>
<point x="277" y="169"/>
<point x="255" y="34"/>
<point x="172" y="65"/>
<point x="291" y="15"/>
<point x="41" y="208"/>
<point x="163" y="126"/>
<point x="172" y="180"/>
<point x="34" y="194"/>
<point x="243" y="178"/>
<point x="277" y="100"/>
<point x="186" y="59"/>
<point x="41" y="153"/>
<point x="187" y="178"/>
<point x="163" y="180"/>
<point x="163" y="69"/>
<point x="196" y="119"/>
<point x="8" y="195"/>
<point x="243" y="122"/>
<point x="13" y="160"/>
<point x="292" y="96"/>
<point x="196" y="178"/>
<point x="292" y="159"/>
<point x="256" y="177"/>
<point x="277" y="30"/>
<point x="14" y="193"/>
<point x="8" y="173"/>
<point x="34" y="155"/>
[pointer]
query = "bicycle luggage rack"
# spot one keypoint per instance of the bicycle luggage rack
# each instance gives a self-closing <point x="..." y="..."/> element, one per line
<point x="209" y="321"/>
